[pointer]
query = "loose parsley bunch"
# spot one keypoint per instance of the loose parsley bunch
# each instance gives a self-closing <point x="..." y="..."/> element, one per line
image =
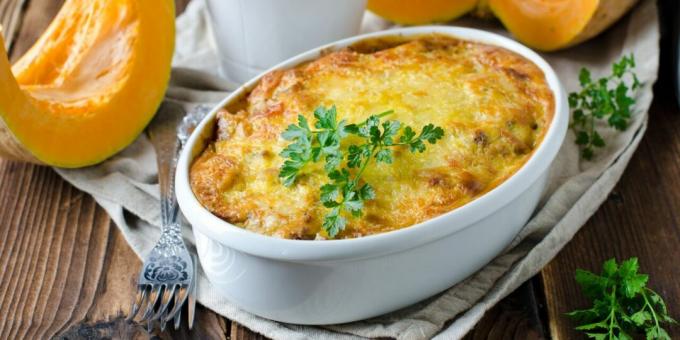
<point x="345" y="192"/>
<point x="607" y="98"/>
<point x="622" y="304"/>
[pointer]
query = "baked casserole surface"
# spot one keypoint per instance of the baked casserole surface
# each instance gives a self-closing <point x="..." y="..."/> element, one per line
<point x="494" y="106"/>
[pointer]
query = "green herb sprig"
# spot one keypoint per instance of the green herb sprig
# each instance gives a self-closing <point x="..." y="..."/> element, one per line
<point x="622" y="303"/>
<point x="311" y="145"/>
<point x="606" y="98"/>
<point x="345" y="191"/>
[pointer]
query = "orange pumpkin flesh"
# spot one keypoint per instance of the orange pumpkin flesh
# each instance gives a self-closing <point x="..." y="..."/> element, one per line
<point x="547" y="24"/>
<point x="90" y="84"/>
<point x="421" y="11"/>
<point x="542" y="24"/>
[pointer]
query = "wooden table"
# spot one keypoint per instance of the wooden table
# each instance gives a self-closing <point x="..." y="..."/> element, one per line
<point x="66" y="270"/>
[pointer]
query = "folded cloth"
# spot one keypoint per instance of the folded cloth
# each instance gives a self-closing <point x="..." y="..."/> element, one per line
<point x="126" y="185"/>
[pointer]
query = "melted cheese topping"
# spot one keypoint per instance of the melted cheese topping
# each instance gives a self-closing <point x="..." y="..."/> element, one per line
<point x="493" y="105"/>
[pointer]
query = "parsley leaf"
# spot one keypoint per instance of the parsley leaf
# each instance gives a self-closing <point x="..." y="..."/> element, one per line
<point x="345" y="193"/>
<point x="311" y="145"/>
<point x="430" y="133"/>
<point x="297" y="153"/>
<point x="333" y="223"/>
<point x="622" y="303"/>
<point x="606" y="98"/>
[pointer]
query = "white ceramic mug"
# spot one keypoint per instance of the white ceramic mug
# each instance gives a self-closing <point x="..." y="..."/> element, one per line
<point x="253" y="35"/>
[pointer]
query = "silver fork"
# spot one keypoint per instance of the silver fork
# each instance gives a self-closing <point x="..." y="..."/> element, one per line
<point x="168" y="276"/>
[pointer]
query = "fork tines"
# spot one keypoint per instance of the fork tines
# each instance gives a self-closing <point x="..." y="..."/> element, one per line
<point x="160" y="302"/>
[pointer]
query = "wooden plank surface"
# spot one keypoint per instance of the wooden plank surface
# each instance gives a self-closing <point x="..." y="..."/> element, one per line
<point x="641" y="218"/>
<point x="67" y="272"/>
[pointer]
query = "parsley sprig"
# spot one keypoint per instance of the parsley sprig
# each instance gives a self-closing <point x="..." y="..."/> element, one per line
<point x="345" y="192"/>
<point x="622" y="303"/>
<point x="607" y="98"/>
<point x="311" y="145"/>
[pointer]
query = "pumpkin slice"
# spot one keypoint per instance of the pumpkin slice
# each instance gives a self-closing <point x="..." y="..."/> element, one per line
<point x="553" y="24"/>
<point x="89" y="85"/>
<point x="542" y="24"/>
<point x="415" y="12"/>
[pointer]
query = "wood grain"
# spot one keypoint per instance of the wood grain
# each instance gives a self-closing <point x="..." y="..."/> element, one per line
<point x="66" y="270"/>
<point x="641" y="218"/>
<point x="53" y="254"/>
<point x="517" y="317"/>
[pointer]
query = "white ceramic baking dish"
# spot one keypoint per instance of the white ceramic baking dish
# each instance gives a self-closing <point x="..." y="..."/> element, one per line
<point x="336" y="281"/>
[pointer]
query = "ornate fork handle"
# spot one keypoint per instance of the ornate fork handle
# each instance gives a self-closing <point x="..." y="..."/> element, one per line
<point x="168" y="137"/>
<point x="168" y="144"/>
<point x="171" y="244"/>
<point x="167" y="161"/>
<point x="169" y="272"/>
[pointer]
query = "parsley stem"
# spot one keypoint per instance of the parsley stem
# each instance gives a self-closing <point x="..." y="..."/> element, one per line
<point x="592" y="132"/>
<point x="612" y="316"/>
<point x="355" y="181"/>
<point x="379" y="115"/>
<point x="385" y="113"/>
<point x="651" y="308"/>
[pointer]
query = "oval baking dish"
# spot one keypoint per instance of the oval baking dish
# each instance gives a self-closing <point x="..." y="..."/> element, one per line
<point x="335" y="281"/>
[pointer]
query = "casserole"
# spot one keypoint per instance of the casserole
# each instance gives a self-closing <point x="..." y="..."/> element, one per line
<point x="491" y="105"/>
<point x="339" y="281"/>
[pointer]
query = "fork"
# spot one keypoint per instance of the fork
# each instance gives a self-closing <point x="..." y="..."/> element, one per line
<point x="168" y="276"/>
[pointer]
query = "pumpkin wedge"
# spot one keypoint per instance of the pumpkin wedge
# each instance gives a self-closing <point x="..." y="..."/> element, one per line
<point x="89" y="85"/>
<point x="545" y="25"/>
<point x="549" y="25"/>
<point x="415" y="12"/>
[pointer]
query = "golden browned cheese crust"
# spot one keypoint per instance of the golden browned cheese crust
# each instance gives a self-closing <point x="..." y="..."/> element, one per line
<point x="493" y="105"/>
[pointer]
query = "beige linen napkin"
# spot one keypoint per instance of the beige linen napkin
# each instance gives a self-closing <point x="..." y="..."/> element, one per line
<point x="126" y="185"/>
